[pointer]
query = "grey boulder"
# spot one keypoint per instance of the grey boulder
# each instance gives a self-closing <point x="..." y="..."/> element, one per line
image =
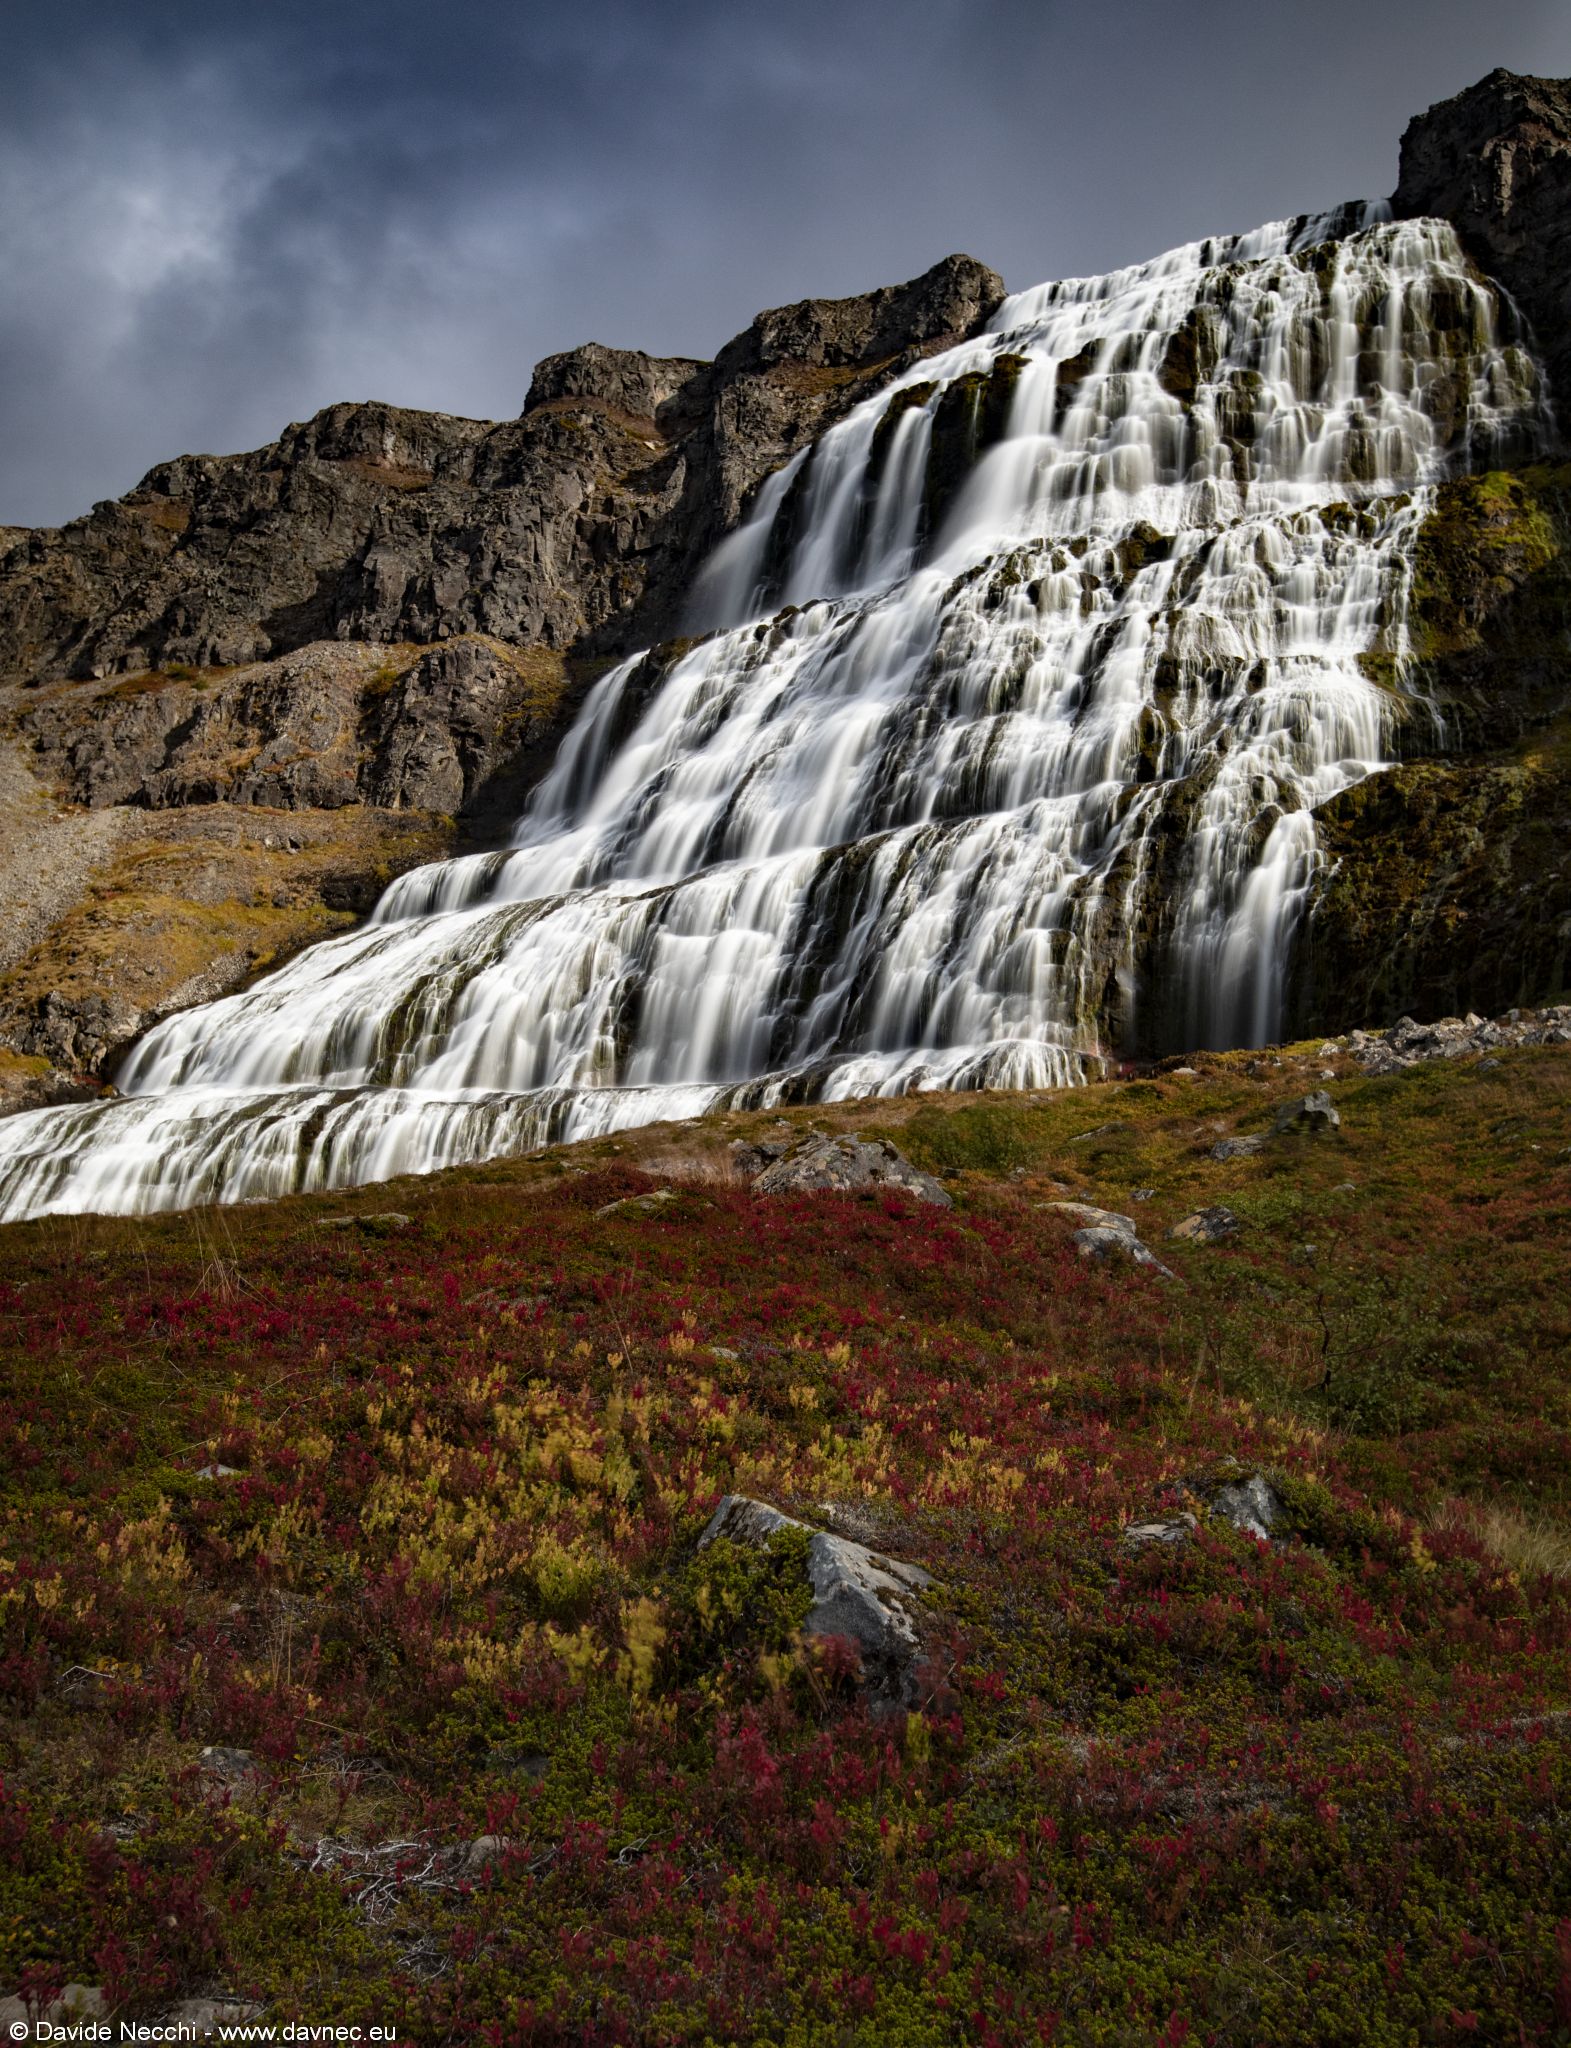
<point x="857" y="1593"/>
<point x="1251" y="1505"/>
<point x="822" y="1163"/>
<point x="1309" y="1115"/>
<point x="1237" y="1148"/>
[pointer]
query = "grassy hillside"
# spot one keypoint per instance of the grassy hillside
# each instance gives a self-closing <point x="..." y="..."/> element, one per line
<point x="491" y="1754"/>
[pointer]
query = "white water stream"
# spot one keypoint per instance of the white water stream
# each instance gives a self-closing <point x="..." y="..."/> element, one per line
<point x="1019" y="691"/>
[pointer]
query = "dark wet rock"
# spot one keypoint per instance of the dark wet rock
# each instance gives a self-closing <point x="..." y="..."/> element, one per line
<point x="1238" y="1148"/>
<point x="1251" y="1505"/>
<point x="822" y="1163"/>
<point x="76" y="1034"/>
<point x="1496" y="161"/>
<point x="858" y="1593"/>
<point x="1309" y="1115"/>
<point x="1208" y="1226"/>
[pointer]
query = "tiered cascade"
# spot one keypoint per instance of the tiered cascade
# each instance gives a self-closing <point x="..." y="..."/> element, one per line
<point x="997" y="753"/>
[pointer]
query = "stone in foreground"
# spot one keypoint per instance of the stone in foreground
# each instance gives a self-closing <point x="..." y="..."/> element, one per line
<point x="1251" y="1505"/>
<point x="1237" y="1148"/>
<point x="1208" y="1226"/>
<point x="839" y="1164"/>
<point x="1308" y="1116"/>
<point x="857" y="1593"/>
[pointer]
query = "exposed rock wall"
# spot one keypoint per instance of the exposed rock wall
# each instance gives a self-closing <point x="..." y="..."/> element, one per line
<point x="578" y="524"/>
<point x="1496" y="161"/>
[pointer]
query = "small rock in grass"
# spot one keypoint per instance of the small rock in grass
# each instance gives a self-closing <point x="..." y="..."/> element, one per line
<point x="485" y="1850"/>
<point x="1142" y="1194"/>
<point x="1100" y="1243"/>
<point x="1208" y="1226"/>
<point x="224" y="1762"/>
<point x="825" y="1163"/>
<point x="1251" y="1505"/>
<point x="857" y="1593"/>
<point x="375" y="1223"/>
<point x="1310" y="1114"/>
<point x="1167" y="1529"/>
<point x="1094" y="1218"/>
<point x="1237" y="1148"/>
<point x="218" y="1472"/>
<point x="646" y="1205"/>
<point x="750" y="1160"/>
<point x="1186" y="1073"/>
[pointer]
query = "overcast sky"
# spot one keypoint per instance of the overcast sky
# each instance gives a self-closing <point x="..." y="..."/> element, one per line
<point x="216" y="217"/>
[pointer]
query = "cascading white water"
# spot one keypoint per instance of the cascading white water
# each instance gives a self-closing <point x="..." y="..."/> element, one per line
<point x="1018" y="694"/>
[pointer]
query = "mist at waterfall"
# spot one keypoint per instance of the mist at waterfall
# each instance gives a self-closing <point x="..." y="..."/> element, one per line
<point x="995" y="755"/>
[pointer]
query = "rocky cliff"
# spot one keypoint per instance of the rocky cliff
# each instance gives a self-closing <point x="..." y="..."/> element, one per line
<point x="377" y="625"/>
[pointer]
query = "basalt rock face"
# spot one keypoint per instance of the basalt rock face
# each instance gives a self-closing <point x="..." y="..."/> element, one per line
<point x="1496" y="162"/>
<point x="578" y="524"/>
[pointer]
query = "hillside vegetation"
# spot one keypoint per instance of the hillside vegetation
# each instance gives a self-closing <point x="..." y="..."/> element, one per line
<point x="422" y="1709"/>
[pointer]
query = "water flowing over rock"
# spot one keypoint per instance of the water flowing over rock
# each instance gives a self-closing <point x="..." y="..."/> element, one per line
<point x="998" y="750"/>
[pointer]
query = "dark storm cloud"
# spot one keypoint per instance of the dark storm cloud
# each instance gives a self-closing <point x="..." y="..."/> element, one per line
<point x="215" y="218"/>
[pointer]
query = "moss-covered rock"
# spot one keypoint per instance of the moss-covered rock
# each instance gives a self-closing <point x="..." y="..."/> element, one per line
<point x="1448" y="889"/>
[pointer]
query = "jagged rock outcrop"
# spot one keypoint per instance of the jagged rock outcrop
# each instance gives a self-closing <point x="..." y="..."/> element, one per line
<point x="578" y="524"/>
<point x="1496" y="161"/>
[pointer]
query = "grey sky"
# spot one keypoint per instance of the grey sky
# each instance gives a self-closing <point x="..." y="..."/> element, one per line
<point x="217" y="217"/>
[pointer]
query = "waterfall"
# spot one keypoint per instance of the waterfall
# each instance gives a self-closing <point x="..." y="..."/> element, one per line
<point x="997" y="750"/>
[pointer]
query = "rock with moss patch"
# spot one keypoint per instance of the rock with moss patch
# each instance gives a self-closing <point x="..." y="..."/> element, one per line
<point x="859" y="1594"/>
<point x="1309" y="1116"/>
<point x="822" y="1164"/>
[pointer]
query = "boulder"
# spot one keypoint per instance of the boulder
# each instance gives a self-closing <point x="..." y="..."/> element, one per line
<point x="843" y="1164"/>
<point x="1237" y="1148"/>
<point x="1208" y="1226"/>
<point x="1093" y="1218"/>
<point x="1177" y="1528"/>
<point x="1308" y="1116"/>
<point x="1100" y="1243"/>
<point x="1251" y="1505"/>
<point x="857" y="1593"/>
<point x="641" y="1205"/>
